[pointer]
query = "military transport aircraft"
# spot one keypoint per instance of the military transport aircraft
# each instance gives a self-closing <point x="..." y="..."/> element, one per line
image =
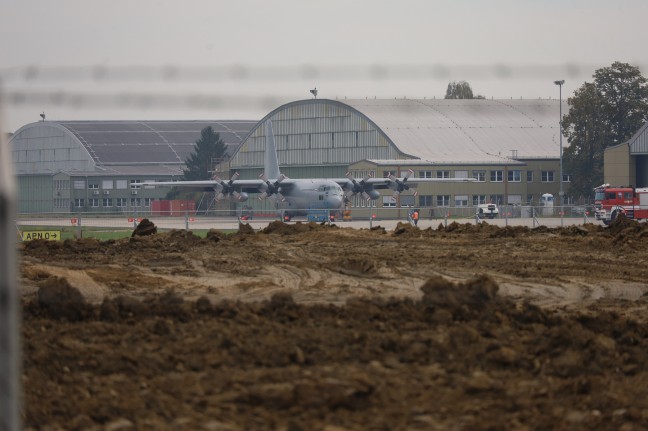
<point x="299" y="196"/>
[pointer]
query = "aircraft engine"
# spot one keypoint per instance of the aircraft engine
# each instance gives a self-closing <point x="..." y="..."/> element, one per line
<point x="223" y="189"/>
<point x="365" y="189"/>
<point x="399" y="185"/>
<point x="239" y="197"/>
<point x="271" y="190"/>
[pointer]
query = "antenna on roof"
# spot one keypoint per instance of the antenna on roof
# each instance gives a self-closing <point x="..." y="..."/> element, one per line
<point x="43" y="116"/>
<point x="314" y="92"/>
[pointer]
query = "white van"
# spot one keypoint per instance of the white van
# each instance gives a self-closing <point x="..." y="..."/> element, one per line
<point x="487" y="210"/>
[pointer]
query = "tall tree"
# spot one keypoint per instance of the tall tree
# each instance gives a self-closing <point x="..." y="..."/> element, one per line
<point x="460" y="90"/>
<point x="587" y="136"/>
<point x="601" y="114"/>
<point x="209" y="148"/>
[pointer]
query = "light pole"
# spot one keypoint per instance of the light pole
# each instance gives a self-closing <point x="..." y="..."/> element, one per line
<point x="560" y="178"/>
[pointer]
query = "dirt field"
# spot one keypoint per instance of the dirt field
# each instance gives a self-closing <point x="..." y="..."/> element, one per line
<point x="310" y="327"/>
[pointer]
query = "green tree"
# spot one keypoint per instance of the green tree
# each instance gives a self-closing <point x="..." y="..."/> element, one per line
<point x="601" y="114"/>
<point x="460" y="90"/>
<point x="587" y="135"/>
<point x="209" y="147"/>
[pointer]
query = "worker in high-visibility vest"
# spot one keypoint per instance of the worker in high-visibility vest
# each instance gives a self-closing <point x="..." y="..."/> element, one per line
<point x="415" y="215"/>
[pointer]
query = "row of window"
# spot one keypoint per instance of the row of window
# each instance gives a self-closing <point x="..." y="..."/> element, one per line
<point x="108" y="202"/>
<point x="513" y="175"/>
<point x="457" y="201"/>
<point x="105" y="184"/>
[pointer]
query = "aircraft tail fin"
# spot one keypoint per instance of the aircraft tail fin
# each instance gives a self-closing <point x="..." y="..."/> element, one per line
<point x="271" y="165"/>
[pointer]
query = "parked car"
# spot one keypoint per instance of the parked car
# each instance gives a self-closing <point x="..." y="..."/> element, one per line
<point x="487" y="210"/>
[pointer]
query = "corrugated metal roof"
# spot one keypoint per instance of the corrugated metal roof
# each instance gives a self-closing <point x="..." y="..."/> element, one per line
<point x="133" y="170"/>
<point x="144" y="142"/>
<point x="467" y="131"/>
<point x="639" y="141"/>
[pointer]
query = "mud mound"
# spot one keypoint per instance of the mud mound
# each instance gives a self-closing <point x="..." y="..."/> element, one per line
<point x="245" y="229"/>
<point x="174" y="239"/>
<point x="81" y="246"/>
<point x="459" y="300"/>
<point x="215" y="235"/>
<point x="461" y="355"/>
<point x="510" y="232"/>
<point x="57" y="299"/>
<point x="621" y="223"/>
<point x="406" y="229"/>
<point x="144" y="228"/>
<point x="281" y="228"/>
<point x="627" y="231"/>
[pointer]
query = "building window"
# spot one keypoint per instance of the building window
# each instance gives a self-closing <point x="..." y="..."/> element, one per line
<point x="79" y="184"/>
<point x="529" y="176"/>
<point x="107" y="184"/>
<point x="407" y="201"/>
<point x="461" y="200"/>
<point x="147" y="202"/>
<point x="425" y="174"/>
<point x="480" y="176"/>
<point x="443" y="174"/>
<point x="122" y="184"/>
<point x="497" y="199"/>
<point x="514" y="199"/>
<point x="547" y="176"/>
<point x="566" y="178"/>
<point x="79" y="203"/>
<point x="93" y="186"/>
<point x="461" y="174"/>
<point x="135" y="184"/>
<point x="135" y="202"/>
<point x="529" y="199"/>
<point x="107" y="202"/>
<point x="478" y="199"/>
<point x="63" y="184"/>
<point x="93" y="203"/>
<point x="389" y="202"/>
<point x="121" y="202"/>
<point x="425" y="200"/>
<point x="496" y="176"/>
<point x="514" y="176"/>
<point x="443" y="200"/>
<point x="386" y="174"/>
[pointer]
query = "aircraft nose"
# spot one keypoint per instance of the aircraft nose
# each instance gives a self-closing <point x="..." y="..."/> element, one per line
<point x="336" y="201"/>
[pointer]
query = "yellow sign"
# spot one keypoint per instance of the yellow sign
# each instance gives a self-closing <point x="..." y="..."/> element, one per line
<point x="51" y="235"/>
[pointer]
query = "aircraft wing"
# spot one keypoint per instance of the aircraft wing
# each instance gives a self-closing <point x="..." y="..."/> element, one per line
<point x="235" y="189"/>
<point x="239" y="185"/>
<point x="368" y="186"/>
<point x="386" y="183"/>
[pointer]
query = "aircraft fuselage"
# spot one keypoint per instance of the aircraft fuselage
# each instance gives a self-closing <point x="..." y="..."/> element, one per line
<point x="308" y="194"/>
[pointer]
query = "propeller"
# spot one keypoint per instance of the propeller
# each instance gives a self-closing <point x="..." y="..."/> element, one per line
<point x="400" y="186"/>
<point x="271" y="189"/>
<point x="361" y="187"/>
<point x="223" y="189"/>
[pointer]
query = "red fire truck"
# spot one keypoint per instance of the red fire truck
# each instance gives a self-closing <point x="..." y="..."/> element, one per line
<point x="612" y="201"/>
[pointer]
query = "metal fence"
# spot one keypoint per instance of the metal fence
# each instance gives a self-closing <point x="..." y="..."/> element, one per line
<point x="78" y="223"/>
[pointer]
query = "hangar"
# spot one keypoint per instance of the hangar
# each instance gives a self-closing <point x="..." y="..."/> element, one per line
<point x="95" y="166"/>
<point x="627" y="163"/>
<point x="511" y="147"/>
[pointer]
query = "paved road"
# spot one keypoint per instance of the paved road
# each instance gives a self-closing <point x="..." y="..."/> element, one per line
<point x="228" y="223"/>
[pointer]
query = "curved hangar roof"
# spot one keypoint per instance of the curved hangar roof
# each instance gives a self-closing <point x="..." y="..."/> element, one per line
<point x="438" y="131"/>
<point x="83" y="145"/>
<point x="475" y="130"/>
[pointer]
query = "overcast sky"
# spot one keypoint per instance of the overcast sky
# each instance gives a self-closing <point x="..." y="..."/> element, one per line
<point x="241" y="59"/>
